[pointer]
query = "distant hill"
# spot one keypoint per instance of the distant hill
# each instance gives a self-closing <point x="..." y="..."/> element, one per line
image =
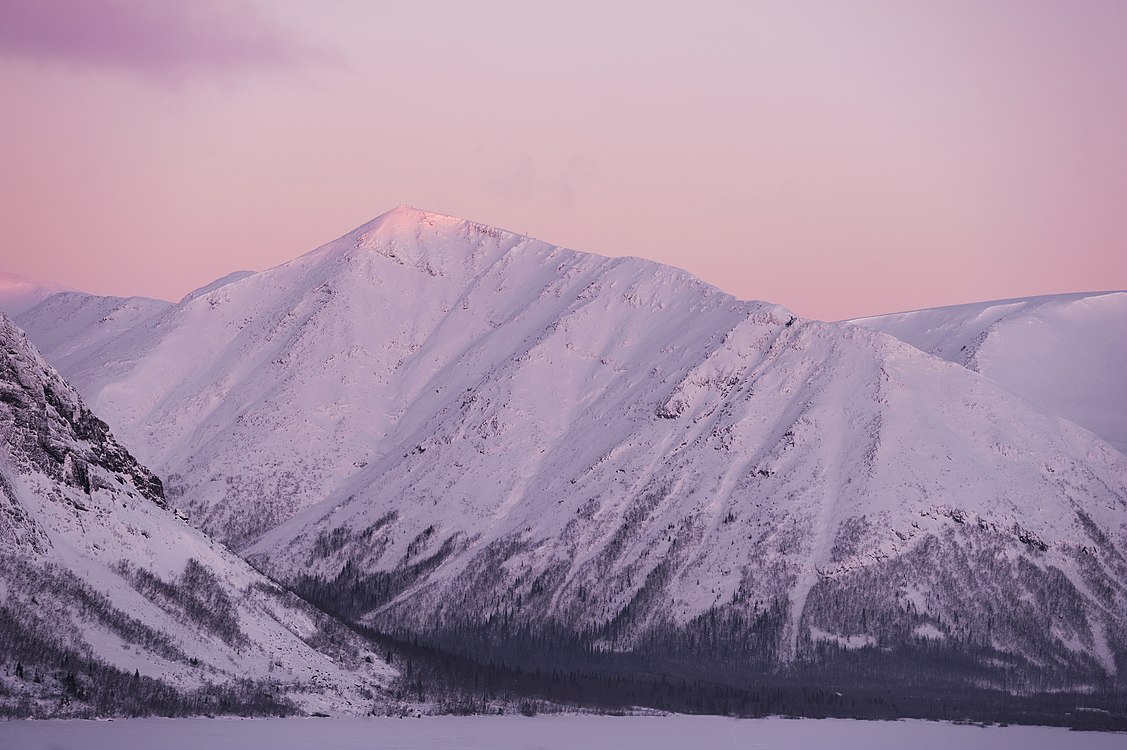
<point x="1065" y="353"/>
<point x="19" y="293"/>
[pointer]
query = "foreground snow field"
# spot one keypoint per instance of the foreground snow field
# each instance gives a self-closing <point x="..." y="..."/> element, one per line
<point x="543" y="733"/>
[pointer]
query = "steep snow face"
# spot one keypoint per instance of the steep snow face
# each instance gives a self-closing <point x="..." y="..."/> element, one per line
<point x="1065" y="353"/>
<point x="95" y="567"/>
<point x="771" y="459"/>
<point x="19" y="293"/>
<point x="433" y="424"/>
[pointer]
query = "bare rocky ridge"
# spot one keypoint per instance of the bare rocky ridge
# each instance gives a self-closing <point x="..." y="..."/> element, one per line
<point x="51" y="431"/>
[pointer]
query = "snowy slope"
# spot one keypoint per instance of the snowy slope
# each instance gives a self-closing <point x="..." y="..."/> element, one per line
<point x="1065" y="353"/>
<point x="74" y="326"/>
<point x="256" y="399"/>
<point x="19" y="293"/>
<point x="96" y="567"/>
<point x="439" y="425"/>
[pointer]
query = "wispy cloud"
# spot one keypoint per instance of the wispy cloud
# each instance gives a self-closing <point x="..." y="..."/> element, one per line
<point x="164" y="40"/>
<point x="518" y="178"/>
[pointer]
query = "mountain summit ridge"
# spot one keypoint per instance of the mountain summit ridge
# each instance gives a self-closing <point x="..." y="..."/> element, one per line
<point x="435" y="284"/>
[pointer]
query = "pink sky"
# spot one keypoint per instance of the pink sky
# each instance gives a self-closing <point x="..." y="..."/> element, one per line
<point x="841" y="158"/>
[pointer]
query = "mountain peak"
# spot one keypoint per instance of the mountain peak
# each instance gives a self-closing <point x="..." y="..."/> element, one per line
<point x="408" y="218"/>
<point x="405" y="221"/>
<point x="434" y="243"/>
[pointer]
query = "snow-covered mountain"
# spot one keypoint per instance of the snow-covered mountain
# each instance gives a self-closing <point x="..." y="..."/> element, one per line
<point x="70" y="325"/>
<point x="110" y="603"/>
<point x="440" y="426"/>
<point x="1065" y="353"/>
<point x="19" y="293"/>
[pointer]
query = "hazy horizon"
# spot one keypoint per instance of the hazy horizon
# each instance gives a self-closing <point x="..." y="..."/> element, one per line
<point x="840" y="159"/>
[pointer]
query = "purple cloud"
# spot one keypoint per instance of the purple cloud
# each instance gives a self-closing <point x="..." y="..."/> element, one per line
<point x="170" y="39"/>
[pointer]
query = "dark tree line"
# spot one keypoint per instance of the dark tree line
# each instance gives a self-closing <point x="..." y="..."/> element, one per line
<point x="197" y="595"/>
<point x="730" y="659"/>
<point x="64" y="682"/>
<point x="526" y="671"/>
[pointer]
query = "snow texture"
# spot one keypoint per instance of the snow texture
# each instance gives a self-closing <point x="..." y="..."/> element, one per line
<point x="541" y="733"/>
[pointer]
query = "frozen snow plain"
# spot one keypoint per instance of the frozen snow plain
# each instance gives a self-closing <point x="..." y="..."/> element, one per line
<point x="541" y="733"/>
